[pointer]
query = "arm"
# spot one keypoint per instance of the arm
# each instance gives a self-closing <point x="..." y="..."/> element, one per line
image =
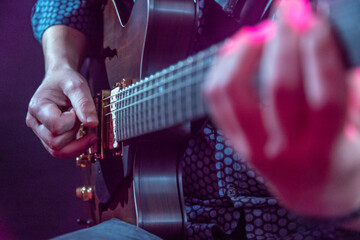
<point x="63" y="99"/>
<point x="299" y="141"/>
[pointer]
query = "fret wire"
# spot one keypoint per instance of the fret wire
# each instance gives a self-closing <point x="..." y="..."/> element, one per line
<point x="152" y="109"/>
<point x="198" y="98"/>
<point x="131" y="114"/>
<point x="131" y="110"/>
<point x="162" y="102"/>
<point x="123" y="123"/>
<point x="157" y="115"/>
<point x="148" y="111"/>
<point x="128" y="115"/>
<point x="135" y="109"/>
<point x="188" y="71"/>
<point x="120" y="125"/>
<point x="169" y="100"/>
<point x="117" y="117"/>
<point x="147" y="123"/>
<point x="124" y="113"/>
<point x="188" y="93"/>
<point x="178" y="100"/>
<point x="141" y="109"/>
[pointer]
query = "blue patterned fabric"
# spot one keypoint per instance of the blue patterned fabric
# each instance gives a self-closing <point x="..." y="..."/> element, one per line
<point x="221" y="190"/>
<point x="83" y="15"/>
<point x="225" y="198"/>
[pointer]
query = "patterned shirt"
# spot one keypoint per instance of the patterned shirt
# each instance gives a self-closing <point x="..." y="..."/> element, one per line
<point x="225" y="197"/>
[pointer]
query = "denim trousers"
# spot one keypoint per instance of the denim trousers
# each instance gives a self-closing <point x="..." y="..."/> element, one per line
<point x="110" y="230"/>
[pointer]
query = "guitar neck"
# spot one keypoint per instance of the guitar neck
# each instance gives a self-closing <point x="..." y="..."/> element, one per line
<point x="175" y="95"/>
<point x="162" y="100"/>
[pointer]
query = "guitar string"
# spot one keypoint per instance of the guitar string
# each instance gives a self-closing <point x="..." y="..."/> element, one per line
<point x="155" y="86"/>
<point x="179" y="72"/>
<point x="198" y="69"/>
<point x="167" y="91"/>
<point x="197" y="58"/>
<point x="182" y="85"/>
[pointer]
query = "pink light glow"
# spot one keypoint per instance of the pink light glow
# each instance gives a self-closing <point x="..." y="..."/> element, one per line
<point x="297" y="13"/>
<point x="252" y="35"/>
<point x="351" y="132"/>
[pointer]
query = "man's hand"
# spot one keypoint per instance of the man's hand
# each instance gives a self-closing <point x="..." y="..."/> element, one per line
<point x="294" y="125"/>
<point x="63" y="100"/>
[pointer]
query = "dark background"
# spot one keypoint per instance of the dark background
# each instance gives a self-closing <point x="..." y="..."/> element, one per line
<point x="37" y="192"/>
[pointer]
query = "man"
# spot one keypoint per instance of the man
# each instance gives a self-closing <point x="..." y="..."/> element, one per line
<point x="305" y="162"/>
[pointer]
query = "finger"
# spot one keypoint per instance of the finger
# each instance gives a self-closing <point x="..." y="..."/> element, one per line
<point x="64" y="146"/>
<point x="52" y="142"/>
<point x="74" y="148"/>
<point x="221" y="108"/>
<point x="49" y="114"/>
<point x="31" y="122"/>
<point x="232" y="93"/>
<point x="354" y="98"/>
<point x="281" y="74"/>
<point x="55" y="142"/>
<point x="79" y="94"/>
<point x="325" y="85"/>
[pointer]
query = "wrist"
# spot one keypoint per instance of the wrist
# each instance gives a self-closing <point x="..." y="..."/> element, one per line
<point x="60" y="65"/>
<point x="63" y="47"/>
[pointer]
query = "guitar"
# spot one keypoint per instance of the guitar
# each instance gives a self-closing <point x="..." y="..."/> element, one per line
<point x="136" y="167"/>
<point x="138" y="180"/>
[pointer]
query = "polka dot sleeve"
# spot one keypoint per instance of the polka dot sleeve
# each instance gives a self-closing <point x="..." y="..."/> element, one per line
<point x="83" y="15"/>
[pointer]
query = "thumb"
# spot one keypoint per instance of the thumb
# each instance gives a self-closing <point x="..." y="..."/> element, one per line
<point x="78" y="92"/>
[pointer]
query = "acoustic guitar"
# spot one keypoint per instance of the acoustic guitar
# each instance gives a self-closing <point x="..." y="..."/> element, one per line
<point x="134" y="172"/>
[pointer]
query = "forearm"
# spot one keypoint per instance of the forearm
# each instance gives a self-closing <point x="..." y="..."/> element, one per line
<point x="63" y="99"/>
<point x="63" y="47"/>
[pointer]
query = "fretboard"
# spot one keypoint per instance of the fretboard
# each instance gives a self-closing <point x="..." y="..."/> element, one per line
<point x="162" y="100"/>
<point x="175" y="95"/>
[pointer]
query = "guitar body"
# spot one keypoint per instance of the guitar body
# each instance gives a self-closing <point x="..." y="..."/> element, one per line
<point x="139" y="181"/>
<point x="158" y="33"/>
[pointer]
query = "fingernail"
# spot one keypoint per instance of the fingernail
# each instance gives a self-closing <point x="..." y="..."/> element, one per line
<point x="297" y="13"/>
<point x="263" y="32"/>
<point x="92" y="121"/>
<point x="253" y="35"/>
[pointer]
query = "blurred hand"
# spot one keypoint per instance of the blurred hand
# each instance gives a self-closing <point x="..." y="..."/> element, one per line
<point x="294" y="127"/>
